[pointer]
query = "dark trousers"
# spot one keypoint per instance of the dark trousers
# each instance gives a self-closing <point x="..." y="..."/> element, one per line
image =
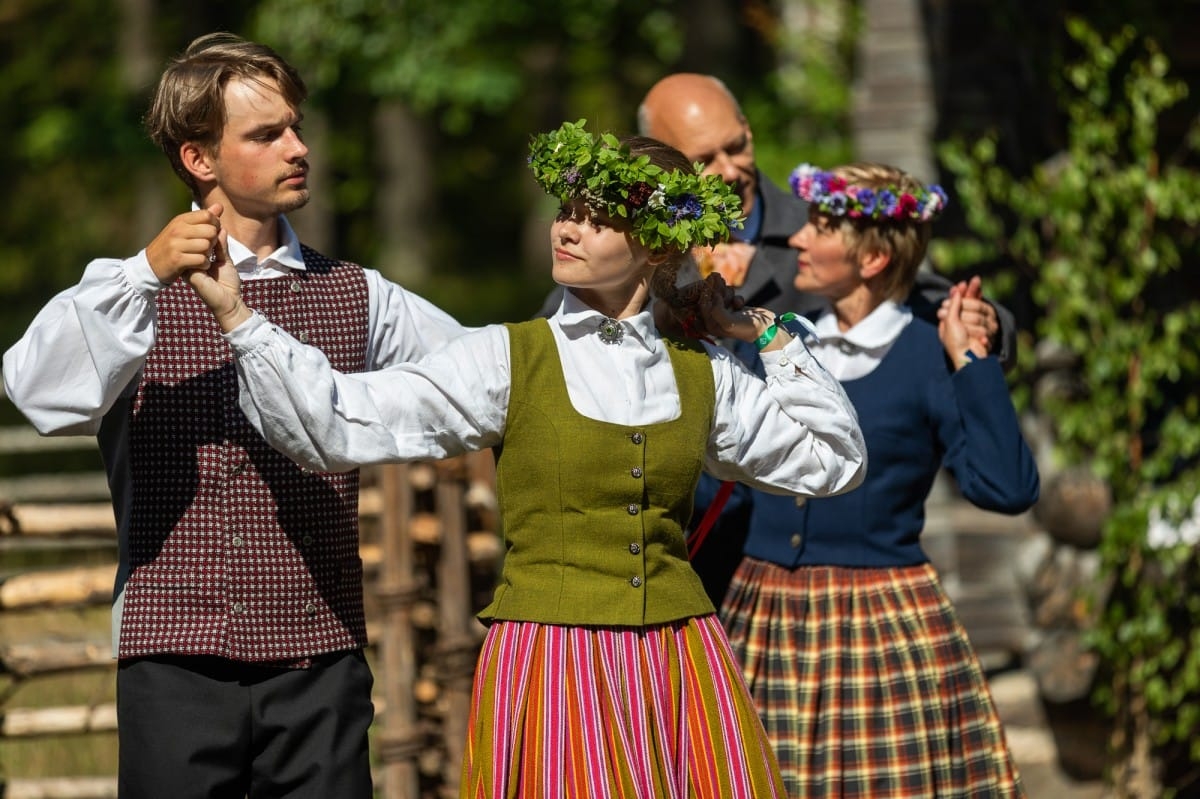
<point x="212" y="728"/>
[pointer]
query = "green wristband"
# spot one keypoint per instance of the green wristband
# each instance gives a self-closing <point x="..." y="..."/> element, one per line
<point x="767" y="337"/>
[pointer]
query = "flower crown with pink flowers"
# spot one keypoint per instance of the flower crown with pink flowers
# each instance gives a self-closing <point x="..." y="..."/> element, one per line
<point x="831" y="194"/>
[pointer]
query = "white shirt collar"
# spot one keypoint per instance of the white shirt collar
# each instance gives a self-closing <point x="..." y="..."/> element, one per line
<point x="881" y="327"/>
<point x="577" y="319"/>
<point x="286" y="256"/>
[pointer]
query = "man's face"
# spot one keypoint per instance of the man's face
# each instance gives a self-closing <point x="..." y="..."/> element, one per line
<point x="259" y="164"/>
<point x="718" y="137"/>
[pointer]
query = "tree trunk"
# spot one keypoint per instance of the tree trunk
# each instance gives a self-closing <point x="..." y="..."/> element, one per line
<point x="405" y="193"/>
<point x="139" y="64"/>
<point x="314" y="223"/>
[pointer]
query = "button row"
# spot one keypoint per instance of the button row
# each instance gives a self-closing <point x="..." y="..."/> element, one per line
<point x="310" y="609"/>
<point x="238" y="540"/>
<point x="634" y="509"/>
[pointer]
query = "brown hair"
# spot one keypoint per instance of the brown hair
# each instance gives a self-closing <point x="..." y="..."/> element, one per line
<point x="904" y="240"/>
<point x="662" y="283"/>
<point x="189" y="102"/>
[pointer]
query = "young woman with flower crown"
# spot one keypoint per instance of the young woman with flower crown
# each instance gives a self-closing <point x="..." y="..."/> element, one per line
<point x="865" y="679"/>
<point x="604" y="671"/>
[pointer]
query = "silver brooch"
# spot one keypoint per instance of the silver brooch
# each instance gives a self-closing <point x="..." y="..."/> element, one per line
<point x="610" y="331"/>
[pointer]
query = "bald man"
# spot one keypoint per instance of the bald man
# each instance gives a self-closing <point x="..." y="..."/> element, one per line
<point x="701" y="118"/>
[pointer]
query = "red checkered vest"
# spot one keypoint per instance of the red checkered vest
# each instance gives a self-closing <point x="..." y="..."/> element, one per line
<point x="234" y="550"/>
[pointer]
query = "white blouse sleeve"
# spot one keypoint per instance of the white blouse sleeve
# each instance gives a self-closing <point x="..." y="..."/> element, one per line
<point x="796" y="433"/>
<point x="453" y="401"/>
<point x="84" y="349"/>
<point x="403" y="326"/>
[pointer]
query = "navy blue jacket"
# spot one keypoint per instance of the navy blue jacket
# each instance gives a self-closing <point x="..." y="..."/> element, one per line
<point x="917" y="416"/>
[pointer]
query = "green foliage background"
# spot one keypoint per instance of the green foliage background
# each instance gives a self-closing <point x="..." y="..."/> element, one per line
<point x="1105" y="238"/>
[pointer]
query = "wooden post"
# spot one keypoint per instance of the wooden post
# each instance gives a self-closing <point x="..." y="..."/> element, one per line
<point x="457" y="646"/>
<point x="400" y="743"/>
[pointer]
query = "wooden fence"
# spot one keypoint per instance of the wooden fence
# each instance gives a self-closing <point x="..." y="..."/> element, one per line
<point x="430" y="549"/>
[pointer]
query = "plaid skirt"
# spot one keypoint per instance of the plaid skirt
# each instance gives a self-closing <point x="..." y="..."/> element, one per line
<point x="596" y="712"/>
<point x="866" y="683"/>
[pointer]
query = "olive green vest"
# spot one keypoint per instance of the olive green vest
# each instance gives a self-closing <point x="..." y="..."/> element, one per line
<point x="594" y="512"/>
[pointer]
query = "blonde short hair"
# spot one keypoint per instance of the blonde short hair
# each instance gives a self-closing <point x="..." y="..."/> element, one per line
<point x="904" y="240"/>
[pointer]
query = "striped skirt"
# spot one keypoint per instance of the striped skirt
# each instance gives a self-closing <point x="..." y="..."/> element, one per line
<point x="866" y="683"/>
<point x="594" y="712"/>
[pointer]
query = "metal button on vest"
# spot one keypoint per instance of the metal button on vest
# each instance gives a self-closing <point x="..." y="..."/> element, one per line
<point x="636" y="438"/>
<point x="633" y="509"/>
<point x="636" y="582"/>
<point x="310" y="609"/>
<point x="302" y="337"/>
<point x="797" y="540"/>
<point x="801" y="501"/>
<point x="238" y="607"/>
<point x="636" y="472"/>
<point x="296" y="286"/>
<point x="635" y="548"/>
<point x="238" y="468"/>
<point x="238" y="541"/>
<point x="306" y="540"/>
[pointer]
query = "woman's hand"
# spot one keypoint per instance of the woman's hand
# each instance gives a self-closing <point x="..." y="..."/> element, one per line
<point x="977" y="313"/>
<point x="724" y="315"/>
<point x="220" y="287"/>
<point x="185" y="244"/>
<point x="957" y="339"/>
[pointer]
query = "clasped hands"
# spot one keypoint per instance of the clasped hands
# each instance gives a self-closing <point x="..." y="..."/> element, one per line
<point x="194" y="246"/>
<point x="712" y="308"/>
<point x="967" y="323"/>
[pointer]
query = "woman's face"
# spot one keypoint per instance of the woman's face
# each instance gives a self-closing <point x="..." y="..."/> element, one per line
<point x="823" y="266"/>
<point x="595" y="253"/>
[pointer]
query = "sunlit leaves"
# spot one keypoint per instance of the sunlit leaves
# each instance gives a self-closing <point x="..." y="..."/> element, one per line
<point x="1104" y="237"/>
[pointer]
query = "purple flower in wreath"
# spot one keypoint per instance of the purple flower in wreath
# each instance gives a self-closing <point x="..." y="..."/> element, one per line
<point x="571" y="175"/>
<point x="934" y="202"/>
<point x="686" y="207"/>
<point x="888" y="202"/>
<point x="866" y="201"/>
